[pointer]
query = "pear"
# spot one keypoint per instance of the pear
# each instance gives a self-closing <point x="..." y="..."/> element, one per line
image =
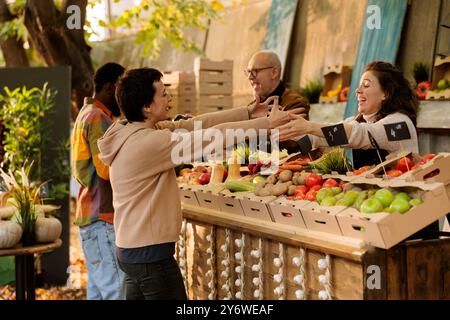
<point x="322" y="194"/>
<point x="329" y="201"/>
<point x="359" y="200"/>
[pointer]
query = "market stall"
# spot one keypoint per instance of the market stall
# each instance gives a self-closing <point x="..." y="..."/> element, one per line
<point x="237" y="245"/>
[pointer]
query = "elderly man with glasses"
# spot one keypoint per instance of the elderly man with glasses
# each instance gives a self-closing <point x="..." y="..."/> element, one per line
<point x="264" y="73"/>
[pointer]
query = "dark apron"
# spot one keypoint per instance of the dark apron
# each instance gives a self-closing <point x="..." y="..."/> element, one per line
<point x="370" y="157"/>
<point x="367" y="157"/>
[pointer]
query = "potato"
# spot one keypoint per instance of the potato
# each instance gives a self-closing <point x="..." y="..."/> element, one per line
<point x="265" y="192"/>
<point x="259" y="187"/>
<point x="279" y="189"/>
<point x="291" y="190"/>
<point x="285" y="176"/>
<point x="272" y="179"/>
<point x="301" y="177"/>
<point x="289" y="183"/>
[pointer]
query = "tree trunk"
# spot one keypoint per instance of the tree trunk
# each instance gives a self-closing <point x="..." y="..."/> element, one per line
<point x="60" y="46"/>
<point x="13" y="51"/>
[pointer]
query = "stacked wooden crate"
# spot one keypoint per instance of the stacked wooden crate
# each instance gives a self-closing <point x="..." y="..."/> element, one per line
<point x="214" y="84"/>
<point x="181" y="86"/>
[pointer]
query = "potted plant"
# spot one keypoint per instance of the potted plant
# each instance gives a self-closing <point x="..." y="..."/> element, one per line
<point x="30" y="213"/>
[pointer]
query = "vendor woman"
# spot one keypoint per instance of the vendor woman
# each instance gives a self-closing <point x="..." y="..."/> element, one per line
<point x="384" y="97"/>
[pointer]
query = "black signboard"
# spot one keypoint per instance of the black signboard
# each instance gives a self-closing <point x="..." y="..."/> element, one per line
<point x="397" y="131"/>
<point x="335" y="135"/>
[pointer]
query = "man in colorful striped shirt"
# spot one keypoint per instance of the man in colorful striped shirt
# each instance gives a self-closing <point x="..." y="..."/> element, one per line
<point x="95" y="213"/>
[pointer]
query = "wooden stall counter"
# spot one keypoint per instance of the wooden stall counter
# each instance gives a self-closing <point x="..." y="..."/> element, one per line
<point x="228" y="256"/>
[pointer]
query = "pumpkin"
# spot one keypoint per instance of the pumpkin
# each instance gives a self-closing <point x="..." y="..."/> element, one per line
<point x="4" y="195"/>
<point x="47" y="229"/>
<point x="7" y="212"/>
<point x="10" y="234"/>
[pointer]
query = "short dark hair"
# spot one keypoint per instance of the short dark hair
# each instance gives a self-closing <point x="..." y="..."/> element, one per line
<point x="400" y="96"/>
<point x="108" y="73"/>
<point x="135" y="90"/>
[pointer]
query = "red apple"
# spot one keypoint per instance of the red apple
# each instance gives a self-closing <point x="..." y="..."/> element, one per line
<point x="204" y="178"/>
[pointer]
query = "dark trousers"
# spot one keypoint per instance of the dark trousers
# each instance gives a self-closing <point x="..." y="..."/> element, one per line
<point x="159" y="280"/>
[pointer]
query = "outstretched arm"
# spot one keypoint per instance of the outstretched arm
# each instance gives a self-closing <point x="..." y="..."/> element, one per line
<point x="299" y="126"/>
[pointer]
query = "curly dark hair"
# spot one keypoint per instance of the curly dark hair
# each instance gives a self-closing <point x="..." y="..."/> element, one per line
<point x="135" y="89"/>
<point x="400" y="96"/>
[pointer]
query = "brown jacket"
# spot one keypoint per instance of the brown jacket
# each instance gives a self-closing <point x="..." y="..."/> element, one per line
<point x="145" y="191"/>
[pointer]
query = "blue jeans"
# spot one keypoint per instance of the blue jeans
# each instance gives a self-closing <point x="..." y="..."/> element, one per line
<point x="105" y="279"/>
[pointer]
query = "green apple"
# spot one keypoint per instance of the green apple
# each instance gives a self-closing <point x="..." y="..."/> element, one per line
<point x="402" y="195"/>
<point x="372" y="205"/>
<point x="415" y="202"/>
<point x="400" y="205"/>
<point x="329" y="201"/>
<point x="443" y="84"/>
<point x="384" y="196"/>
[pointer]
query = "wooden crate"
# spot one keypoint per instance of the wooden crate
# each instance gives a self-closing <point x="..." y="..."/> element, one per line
<point x="182" y="88"/>
<point x="411" y="270"/>
<point x="214" y="80"/>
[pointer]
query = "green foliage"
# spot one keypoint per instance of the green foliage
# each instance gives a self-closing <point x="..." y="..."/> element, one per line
<point x="166" y="21"/>
<point x="22" y="113"/>
<point x="420" y="71"/>
<point x="13" y="28"/>
<point x="312" y="91"/>
<point x="26" y="196"/>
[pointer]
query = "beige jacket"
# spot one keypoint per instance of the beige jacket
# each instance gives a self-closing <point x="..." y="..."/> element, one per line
<point x="359" y="137"/>
<point x="145" y="191"/>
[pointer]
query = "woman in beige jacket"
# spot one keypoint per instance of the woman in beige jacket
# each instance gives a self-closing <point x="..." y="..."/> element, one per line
<point x="145" y="193"/>
<point x="384" y="97"/>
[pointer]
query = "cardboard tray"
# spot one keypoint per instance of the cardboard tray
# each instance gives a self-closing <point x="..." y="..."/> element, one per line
<point x="384" y="230"/>
<point x="187" y="194"/>
<point x="287" y="212"/>
<point x="254" y="206"/>
<point x="322" y="218"/>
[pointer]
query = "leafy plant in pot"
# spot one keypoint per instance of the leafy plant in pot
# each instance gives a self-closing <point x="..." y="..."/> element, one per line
<point x="25" y="197"/>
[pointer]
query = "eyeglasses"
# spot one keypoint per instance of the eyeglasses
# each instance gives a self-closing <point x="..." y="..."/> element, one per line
<point x="254" y="72"/>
